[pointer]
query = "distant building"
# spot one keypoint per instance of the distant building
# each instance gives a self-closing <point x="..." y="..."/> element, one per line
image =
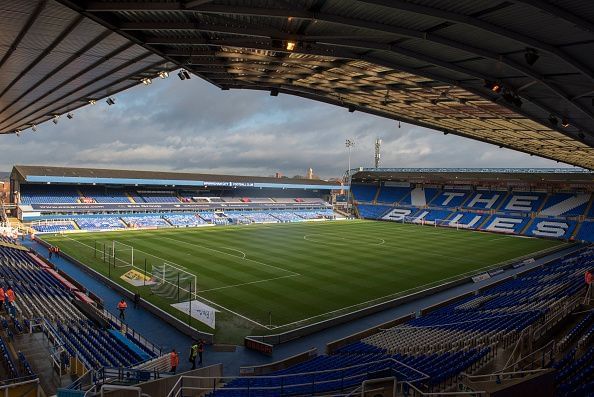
<point x="309" y="174"/>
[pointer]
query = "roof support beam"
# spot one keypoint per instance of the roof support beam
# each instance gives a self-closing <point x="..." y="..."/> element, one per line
<point x="559" y="12"/>
<point x="486" y="26"/>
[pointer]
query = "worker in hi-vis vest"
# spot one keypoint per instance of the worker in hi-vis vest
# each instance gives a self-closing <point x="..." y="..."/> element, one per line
<point x="122" y="306"/>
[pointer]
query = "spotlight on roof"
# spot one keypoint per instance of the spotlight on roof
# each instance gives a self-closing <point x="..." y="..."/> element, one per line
<point x="564" y="123"/>
<point x="273" y="92"/>
<point x="34" y="128"/>
<point x="291" y="45"/>
<point x="55" y="119"/>
<point x="553" y="120"/>
<point x="183" y="75"/>
<point x="351" y="109"/>
<point x="18" y="132"/>
<point x="531" y="56"/>
<point x="493" y="86"/>
<point x="163" y="74"/>
<point x="92" y="101"/>
<point x="110" y="101"/>
<point x="70" y="116"/>
<point x="146" y="81"/>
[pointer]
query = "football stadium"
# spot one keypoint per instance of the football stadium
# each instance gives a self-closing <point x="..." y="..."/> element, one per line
<point x="384" y="282"/>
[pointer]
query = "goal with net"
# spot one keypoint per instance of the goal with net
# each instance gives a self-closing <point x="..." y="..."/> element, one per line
<point x="173" y="282"/>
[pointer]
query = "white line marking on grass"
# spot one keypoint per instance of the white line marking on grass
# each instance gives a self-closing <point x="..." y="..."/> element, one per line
<point x="250" y="282"/>
<point x="201" y="297"/>
<point x="233" y="249"/>
<point x="234" y="256"/>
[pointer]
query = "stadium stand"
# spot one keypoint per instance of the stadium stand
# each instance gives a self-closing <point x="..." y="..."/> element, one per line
<point x="105" y="196"/>
<point x="158" y="197"/>
<point x="99" y="223"/>
<point x="365" y="193"/>
<point x="45" y="195"/>
<point x="145" y="221"/>
<point x="394" y="194"/>
<point x="45" y="303"/>
<point x="184" y="220"/>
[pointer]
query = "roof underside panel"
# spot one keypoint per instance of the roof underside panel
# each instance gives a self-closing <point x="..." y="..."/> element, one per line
<point x="425" y="62"/>
<point x="53" y="60"/>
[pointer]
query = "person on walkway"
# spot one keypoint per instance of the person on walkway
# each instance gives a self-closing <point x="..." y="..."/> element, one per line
<point x="174" y="361"/>
<point x="136" y="300"/>
<point x="122" y="306"/>
<point x="200" y="350"/>
<point x="2" y="298"/>
<point x="10" y="298"/>
<point x="193" y="354"/>
<point x="51" y="251"/>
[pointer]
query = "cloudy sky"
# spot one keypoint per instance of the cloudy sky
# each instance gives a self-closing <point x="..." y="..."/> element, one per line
<point x="193" y="126"/>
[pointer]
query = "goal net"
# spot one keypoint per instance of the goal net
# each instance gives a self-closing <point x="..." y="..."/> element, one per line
<point x="173" y="282"/>
<point x="121" y="255"/>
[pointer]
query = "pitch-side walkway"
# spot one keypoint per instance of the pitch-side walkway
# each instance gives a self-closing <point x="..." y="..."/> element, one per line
<point x="166" y="336"/>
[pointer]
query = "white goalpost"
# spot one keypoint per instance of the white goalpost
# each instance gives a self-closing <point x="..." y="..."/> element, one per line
<point x="174" y="282"/>
<point x="122" y="255"/>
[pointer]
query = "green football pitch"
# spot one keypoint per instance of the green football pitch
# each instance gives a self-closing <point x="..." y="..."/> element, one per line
<point x="273" y="278"/>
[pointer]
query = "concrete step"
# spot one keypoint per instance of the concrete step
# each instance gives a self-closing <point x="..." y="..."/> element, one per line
<point x="35" y="347"/>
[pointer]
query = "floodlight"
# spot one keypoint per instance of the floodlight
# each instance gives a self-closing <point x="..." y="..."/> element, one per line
<point x="291" y="45"/>
<point x="34" y="128"/>
<point x="146" y="81"/>
<point x="351" y="109"/>
<point x="55" y="119"/>
<point x="110" y="101"/>
<point x="70" y="116"/>
<point x="92" y="101"/>
<point x="163" y="74"/>
<point x="183" y="74"/>
<point x="493" y="86"/>
<point x="564" y="123"/>
<point x="274" y="92"/>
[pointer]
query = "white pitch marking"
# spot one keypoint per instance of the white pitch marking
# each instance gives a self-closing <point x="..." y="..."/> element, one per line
<point x="251" y="282"/>
<point x="233" y="249"/>
<point x="234" y="256"/>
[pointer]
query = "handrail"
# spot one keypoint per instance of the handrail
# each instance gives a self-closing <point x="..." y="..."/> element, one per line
<point x="175" y="390"/>
<point x="499" y="375"/>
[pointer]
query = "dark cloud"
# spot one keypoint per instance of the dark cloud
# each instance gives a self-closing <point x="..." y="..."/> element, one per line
<point x="194" y="126"/>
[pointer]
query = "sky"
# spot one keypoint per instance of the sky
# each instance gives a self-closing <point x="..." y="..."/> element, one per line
<point x="191" y="125"/>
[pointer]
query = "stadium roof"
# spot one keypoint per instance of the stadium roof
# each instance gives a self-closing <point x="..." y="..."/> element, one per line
<point x="433" y="63"/>
<point x="461" y="175"/>
<point x="70" y="175"/>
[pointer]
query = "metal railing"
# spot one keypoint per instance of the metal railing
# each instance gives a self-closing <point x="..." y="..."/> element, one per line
<point x="343" y="375"/>
<point x="22" y="383"/>
<point x="157" y="350"/>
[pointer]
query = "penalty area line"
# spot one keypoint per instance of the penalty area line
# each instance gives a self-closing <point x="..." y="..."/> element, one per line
<point x="248" y="283"/>
<point x="234" y="256"/>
